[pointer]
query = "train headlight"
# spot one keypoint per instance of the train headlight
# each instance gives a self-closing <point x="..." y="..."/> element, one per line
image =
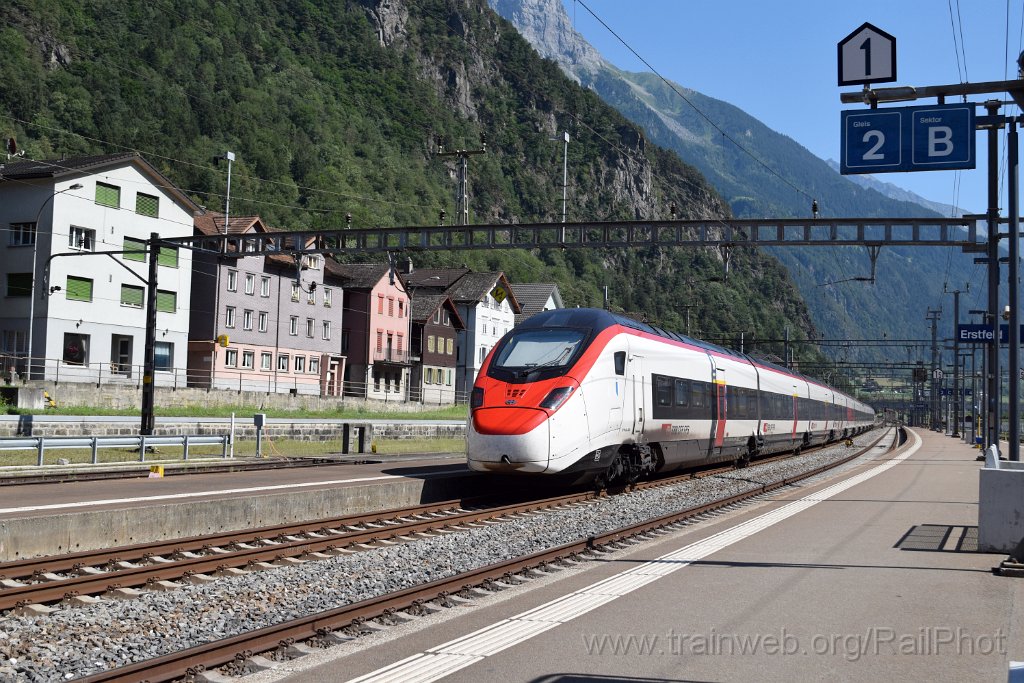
<point x="556" y="397"/>
<point x="477" y="398"/>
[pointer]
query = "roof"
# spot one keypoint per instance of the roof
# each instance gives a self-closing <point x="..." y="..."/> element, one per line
<point x="212" y="223"/>
<point x="532" y="297"/>
<point x="76" y="166"/>
<point x="423" y="306"/>
<point x="434" y="278"/>
<point x="358" y="275"/>
<point x="471" y="288"/>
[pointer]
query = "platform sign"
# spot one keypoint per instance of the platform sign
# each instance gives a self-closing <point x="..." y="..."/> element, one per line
<point x="868" y="55"/>
<point x="926" y="138"/>
<point x="982" y="334"/>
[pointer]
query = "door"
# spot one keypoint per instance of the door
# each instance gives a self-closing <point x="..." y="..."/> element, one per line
<point x="639" y="393"/>
<point x="121" y="355"/>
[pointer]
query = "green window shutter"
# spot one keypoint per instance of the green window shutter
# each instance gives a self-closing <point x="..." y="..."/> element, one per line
<point x="147" y="205"/>
<point x="166" y="302"/>
<point x="168" y="256"/>
<point x="108" y="195"/>
<point x="19" y="284"/>
<point x="135" y="249"/>
<point x="79" y="288"/>
<point x="131" y="296"/>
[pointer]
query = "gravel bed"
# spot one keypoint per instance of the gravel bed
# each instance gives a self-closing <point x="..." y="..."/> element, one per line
<point x="78" y="641"/>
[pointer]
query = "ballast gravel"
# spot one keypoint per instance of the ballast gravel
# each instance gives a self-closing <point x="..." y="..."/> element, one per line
<point x="74" y="642"/>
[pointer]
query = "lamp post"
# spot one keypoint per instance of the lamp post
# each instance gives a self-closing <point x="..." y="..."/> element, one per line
<point x="32" y="282"/>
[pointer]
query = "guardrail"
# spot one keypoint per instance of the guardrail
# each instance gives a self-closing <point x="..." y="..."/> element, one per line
<point x="41" y="444"/>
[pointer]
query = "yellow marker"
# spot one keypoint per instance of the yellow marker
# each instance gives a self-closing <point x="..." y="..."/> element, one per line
<point x="156" y="471"/>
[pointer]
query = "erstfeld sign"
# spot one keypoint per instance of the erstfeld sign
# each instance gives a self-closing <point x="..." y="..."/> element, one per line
<point x="982" y="334"/>
<point x="868" y="55"/>
<point x="924" y="138"/>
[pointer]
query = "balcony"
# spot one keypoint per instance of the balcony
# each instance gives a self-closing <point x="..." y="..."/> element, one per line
<point x="391" y="356"/>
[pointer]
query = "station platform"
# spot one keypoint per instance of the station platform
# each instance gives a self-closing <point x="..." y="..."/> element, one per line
<point x="870" y="574"/>
<point x="56" y="518"/>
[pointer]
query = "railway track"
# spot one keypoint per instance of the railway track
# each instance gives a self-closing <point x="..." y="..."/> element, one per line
<point x="281" y="638"/>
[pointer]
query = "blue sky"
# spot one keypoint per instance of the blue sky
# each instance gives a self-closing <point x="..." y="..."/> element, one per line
<point x="777" y="61"/>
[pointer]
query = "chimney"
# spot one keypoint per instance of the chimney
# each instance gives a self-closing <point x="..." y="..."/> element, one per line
<point x="407" y="266"/>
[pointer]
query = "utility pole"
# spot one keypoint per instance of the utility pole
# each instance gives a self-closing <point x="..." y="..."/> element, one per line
<point x="462" y="195"/>
<point x="565" y="173"/>
<point x="957" y="398"/>
<point x="992" y="392"/>
<point x="934" y="317"/>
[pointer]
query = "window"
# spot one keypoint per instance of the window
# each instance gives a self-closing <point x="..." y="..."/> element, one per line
<point x="232" y="280"/>
<point x="229" y="316"/>
<point x="295" y="291"/>
<point x="311" y="294"/>
<point x="437" y="316"/>
<point x="451" y="346"/>
<point x="167" y="256"/>
<point x="344" y="341"/>
<point x="246" y="319"/>
<point x="380" y="304"/>
<point x="311" y="262"/>
<point x="15" y="341"/>
<point x="250" y="283"/>
<point x="314" y="366"/>
<point x="430" y="343"/>
<point x="147" y="205"/>
<point x="399" y="347"/>
<point x="401" y="308"/>
<point x="264" y="286"/>
<point x="263" y="321"/>
<point x="429" y="379"/>
<point x="19" y="284"/>
<point x="22" y="234"/>
<point x="78" y="288"/>
<point x="166" y="302"/>
<point x="310" y="326"/>
<point x="448" y="381"/>
<point x="300" y="363"/>
<point x="81" y="239"/>
<point x="327" y="330"/>
<point x="380" y="341"/>
<point x="282" y="362"/>
<point x="248" y="358"/>
<point x="327" y="297"/>
<point x="135" y="250"/>
<point x="132" y="296"/>
<point x="483" y="354"/>
<point x="108" y="195"/>
<point x="391" y="307"/>
<point x="163" y="356"/>
<point x="446" y="318"/>
<point x="265" y="360"/>
<point x="293" y="325"/>
<point x="76" y="348"/>
<point x="231" y="358"/>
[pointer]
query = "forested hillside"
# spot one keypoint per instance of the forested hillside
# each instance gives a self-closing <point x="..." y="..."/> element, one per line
<point x="336" y="108"/>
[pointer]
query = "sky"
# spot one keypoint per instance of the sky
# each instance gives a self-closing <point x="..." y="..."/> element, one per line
<point x="777" y="62"/>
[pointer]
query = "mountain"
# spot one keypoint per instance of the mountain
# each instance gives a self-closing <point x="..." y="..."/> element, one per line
<point x="336" y="109"/>
<point x="898" y="193"/>
<point x="909" y="280"/>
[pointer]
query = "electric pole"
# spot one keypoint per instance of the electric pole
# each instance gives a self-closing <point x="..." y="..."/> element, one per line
<point x="934" y="317"/>
<point x="462" y="194"/>
<point x="957" y="394"/>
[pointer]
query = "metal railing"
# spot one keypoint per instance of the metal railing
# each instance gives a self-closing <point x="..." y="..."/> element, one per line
<point x="41" y="444"/>
<point x="14" y="370"/>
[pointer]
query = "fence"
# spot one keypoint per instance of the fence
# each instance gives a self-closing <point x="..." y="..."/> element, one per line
<point x="14" y="370"/>
<point x="41" y="444"/>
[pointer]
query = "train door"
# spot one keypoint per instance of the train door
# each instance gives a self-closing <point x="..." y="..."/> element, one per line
<point x="636" y="376"/>
<point x="721" y="413"/>
<point x="618" y="400"/>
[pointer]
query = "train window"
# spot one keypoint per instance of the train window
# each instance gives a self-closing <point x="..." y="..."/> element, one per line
<point x="663" y="390"/>
<point x="539" y="348"/>
<point x="620" y="362"/>
<point x="682" y="393"/>
<point x="698" y="394"/>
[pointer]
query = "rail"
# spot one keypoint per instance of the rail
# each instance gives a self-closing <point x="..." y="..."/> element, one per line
<point x="41" y="444"/>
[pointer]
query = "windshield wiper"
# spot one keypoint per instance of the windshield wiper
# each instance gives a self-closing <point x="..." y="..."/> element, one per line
<point x="554" y="361"/>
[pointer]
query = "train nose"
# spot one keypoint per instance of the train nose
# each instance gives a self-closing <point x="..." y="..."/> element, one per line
<point x="508" y="440"/>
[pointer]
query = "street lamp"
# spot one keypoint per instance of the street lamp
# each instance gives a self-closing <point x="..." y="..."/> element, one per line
<point x="32" y="282"/>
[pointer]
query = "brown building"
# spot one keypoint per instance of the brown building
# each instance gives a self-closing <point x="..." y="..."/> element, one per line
<point x="435" y="326"/>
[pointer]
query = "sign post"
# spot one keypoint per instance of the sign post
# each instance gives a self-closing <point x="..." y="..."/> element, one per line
<point x="868" y="55"/>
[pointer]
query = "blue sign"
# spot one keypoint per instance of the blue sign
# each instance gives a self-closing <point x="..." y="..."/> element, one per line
<point x="934" y="138"/>
<point x="982" y="334"/>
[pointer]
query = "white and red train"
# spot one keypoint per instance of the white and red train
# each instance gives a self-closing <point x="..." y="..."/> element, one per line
<point x="588" y="394"/>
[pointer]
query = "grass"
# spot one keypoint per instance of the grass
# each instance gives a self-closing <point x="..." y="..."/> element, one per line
<point x="243" y="449"/>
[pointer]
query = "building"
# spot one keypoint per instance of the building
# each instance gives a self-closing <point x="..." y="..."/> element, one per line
<point x="375" y="330"/>
<point x="435" y="326"/>
<point x="263" y="322"/>
<point x="535" y="297"/>
<point x="84" y="312"/>
<point x="487" y="306"/>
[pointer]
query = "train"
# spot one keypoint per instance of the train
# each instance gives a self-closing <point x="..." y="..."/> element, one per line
<point x="592" y="396"/>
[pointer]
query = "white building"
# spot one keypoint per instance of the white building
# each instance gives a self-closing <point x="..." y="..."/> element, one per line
<point x="88" y="309"/>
